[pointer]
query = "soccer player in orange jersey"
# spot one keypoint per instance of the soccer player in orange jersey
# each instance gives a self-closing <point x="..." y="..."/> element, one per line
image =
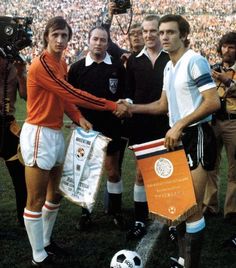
<point x="42" y="142"/>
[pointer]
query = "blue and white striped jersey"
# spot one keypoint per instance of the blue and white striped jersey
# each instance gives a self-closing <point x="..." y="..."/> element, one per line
<point x="184" y="83"/>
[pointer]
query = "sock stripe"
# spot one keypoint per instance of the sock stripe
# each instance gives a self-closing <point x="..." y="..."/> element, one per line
<point x="50" y="206"/>
<point x="196" y="226"/>
<point x="32" y="214"/>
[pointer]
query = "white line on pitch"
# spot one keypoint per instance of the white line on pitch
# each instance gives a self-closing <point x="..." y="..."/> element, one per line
<point x="144" y="247"/>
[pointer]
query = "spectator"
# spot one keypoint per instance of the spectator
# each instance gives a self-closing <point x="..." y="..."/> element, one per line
<point x="209" y="20"/>
<point x="224" y="126"/>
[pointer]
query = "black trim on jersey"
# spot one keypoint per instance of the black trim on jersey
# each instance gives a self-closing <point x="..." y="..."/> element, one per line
<point x="61" y="83"/>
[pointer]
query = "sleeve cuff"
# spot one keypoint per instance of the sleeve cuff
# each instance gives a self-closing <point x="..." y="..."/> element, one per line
<point x="111" y="105"/>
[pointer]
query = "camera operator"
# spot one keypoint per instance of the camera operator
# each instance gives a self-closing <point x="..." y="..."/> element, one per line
<point x="224" y="125"/>
<point x="107" y="15"/>
<point x="134" y="34"/>
<point x="13" y="77"/>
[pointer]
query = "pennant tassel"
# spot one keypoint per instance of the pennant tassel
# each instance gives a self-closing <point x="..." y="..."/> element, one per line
<point x="176" y="221"/>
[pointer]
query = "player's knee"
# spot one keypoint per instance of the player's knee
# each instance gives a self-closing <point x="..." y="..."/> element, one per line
<point x="35" y="203"/>
<point x="114" y="176"/>
<point x="196" y="216"/>
<point x="139" y="179"/>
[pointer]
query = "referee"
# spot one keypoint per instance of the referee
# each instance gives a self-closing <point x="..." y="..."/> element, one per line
<point x="104" y="76"/>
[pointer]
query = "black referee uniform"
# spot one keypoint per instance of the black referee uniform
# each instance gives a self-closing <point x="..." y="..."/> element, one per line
<point x="105" y="81"/>
<point x="145" y="83"/>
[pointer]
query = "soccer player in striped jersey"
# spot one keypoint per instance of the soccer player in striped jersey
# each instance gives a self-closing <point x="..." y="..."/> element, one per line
<point x="189" y="95"/>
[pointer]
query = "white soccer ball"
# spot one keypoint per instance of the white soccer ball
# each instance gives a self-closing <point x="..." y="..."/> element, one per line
<point x="126" y="259"/>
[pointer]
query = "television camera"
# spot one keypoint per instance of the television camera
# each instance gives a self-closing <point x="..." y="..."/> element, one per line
<point x="15" y="34"/>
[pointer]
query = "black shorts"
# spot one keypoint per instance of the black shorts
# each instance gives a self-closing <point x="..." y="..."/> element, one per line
<point x="143" y="128"/>
<point x="114" y="146"/>
<point x="109" y="125"/>
<point x="200" y="146"/>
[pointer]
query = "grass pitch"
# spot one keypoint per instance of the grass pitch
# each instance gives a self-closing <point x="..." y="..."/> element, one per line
<point x="95" y="248"/>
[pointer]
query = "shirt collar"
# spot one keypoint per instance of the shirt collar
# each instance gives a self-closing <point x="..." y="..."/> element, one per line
<point x="89" y="61"/>
<point x="144" y="52"/>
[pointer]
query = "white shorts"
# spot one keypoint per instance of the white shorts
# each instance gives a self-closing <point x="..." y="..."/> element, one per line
<point x="42" y="146"/>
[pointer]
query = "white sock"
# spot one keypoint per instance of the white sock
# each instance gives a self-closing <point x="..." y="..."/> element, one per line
<point x="34" y="227"/>
<point x="49" y="215"/>
<point x="115" y="187"/>
<point x="139" y="193"/>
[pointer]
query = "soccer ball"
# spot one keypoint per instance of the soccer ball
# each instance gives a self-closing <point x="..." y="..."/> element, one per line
<point x="126" y="259"/>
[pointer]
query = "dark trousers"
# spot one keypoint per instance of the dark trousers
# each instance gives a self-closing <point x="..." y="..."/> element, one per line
<point x="17" y="173"/>
<point x="8" y="149"/>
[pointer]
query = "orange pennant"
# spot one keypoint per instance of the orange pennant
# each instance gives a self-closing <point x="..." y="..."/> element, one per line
<point x="167" y="180"/>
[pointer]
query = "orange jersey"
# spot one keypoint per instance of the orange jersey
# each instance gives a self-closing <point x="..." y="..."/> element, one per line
<point x="49" y="95"/>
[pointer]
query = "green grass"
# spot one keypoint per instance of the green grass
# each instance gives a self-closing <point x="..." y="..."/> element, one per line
<point x="95" y="248"/>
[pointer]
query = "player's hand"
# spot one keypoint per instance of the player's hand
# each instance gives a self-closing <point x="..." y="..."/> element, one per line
<point x="85" y="124"/>
<point x="122" y="109"/>
<point x="173" y="137"/>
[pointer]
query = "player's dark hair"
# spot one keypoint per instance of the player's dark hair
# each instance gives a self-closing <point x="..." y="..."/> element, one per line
<point x="184" y="26"/>
<point x="56" y="23"/>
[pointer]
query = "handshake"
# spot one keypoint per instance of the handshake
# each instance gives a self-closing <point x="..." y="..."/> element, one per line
<point x="123" y="108"/>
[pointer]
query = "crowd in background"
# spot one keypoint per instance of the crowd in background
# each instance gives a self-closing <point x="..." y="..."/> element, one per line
<point x="209" y="20"/>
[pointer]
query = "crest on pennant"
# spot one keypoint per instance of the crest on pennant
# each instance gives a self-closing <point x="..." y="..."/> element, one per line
<point x="164" y="168"/>
<point x="80" y="153"/>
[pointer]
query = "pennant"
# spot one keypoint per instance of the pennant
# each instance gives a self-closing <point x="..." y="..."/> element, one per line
<point x="167" y="180"/>
<point x="82" y="169"/>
